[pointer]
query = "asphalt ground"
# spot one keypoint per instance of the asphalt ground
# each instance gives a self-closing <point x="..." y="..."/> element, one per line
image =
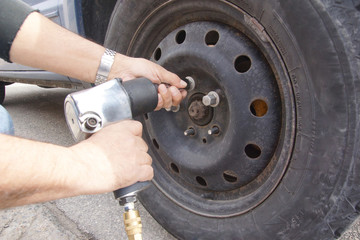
<point x="38" y="114"/>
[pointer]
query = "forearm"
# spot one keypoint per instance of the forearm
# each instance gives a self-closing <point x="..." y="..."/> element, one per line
<point x="43" y="44"/>
<point x="40" y="43"/>
<point x="112" y="158"/>
<point x="34" y="172"/>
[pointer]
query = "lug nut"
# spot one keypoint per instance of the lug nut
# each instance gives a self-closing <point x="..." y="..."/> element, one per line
<point x="214" y="130"/>
<point x="212" y="99"/>
<point x="175" y="108"/>
<point x="190" y="83"/>
<point x="189" y="132"/>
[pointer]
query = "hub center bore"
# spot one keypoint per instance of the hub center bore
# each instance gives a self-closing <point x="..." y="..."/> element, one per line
<point x="198" y="112"/>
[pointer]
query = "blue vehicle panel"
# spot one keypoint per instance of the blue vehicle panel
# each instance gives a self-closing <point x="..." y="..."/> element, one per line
<point x="66" y="13"/>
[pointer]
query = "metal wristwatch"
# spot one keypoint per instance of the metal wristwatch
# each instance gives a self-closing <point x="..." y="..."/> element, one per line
<point x="106" y="62"/>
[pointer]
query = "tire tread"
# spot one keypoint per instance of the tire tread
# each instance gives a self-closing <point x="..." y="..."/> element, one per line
<point x="346" y="18"/>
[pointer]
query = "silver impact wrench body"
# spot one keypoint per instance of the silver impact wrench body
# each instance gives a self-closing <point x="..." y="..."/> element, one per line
<point x="90" y="110"/>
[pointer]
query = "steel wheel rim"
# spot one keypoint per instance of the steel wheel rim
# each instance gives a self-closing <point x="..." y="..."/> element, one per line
<point x="233" y="203"/>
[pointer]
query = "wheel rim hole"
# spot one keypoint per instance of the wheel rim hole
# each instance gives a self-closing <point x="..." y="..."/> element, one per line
<point x="258" y="108"/>
<point x="201" y="181"/>
<point x="156" y="144"/>
<point x="174" y="167"/>
<point x="204" y="140"/>
<point x="253" y="151"/>
<point x="242" y="64"/>
<point x="180" y="37"/>
<point x="157" y="54"/>
<point x="212" y="38"/>
<point x="230" y="176"/>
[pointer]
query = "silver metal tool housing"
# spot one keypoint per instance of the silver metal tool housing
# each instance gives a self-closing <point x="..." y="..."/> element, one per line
<point x="99" y="105"/>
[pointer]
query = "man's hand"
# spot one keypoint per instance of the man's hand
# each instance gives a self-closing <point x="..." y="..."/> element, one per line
<point x="114" y="157"/>
<point x="128" y="68"/>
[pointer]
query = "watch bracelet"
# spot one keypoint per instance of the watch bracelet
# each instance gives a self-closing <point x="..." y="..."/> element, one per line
<point x="105" y="65"/>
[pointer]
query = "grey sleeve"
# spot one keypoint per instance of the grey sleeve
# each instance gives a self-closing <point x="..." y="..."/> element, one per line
<point x="12" y="16"/>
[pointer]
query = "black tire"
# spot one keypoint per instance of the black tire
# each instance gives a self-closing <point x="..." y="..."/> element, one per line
<point x="308" y="187"/>
<point x="2" y="92"/>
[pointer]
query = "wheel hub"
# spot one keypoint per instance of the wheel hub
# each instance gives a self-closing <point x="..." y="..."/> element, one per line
<point x="198" y="112"/>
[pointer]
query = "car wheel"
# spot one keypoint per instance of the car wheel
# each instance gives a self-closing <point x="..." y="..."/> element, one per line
<point x="277" y="158"/>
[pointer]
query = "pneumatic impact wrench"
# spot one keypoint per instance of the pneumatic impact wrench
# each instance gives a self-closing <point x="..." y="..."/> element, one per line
<point x="89" y="110"/>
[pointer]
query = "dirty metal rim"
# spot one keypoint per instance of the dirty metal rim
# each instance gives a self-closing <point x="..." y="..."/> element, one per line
<point x="237" y="158"/>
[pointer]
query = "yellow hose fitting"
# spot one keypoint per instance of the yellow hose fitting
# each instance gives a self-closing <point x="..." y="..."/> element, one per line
<point x="132" y="221"/>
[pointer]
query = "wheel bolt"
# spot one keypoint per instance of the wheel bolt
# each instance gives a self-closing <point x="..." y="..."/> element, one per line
<point x="175" y="108"/>
<point x="189" y="132"/>
<point x="212" y="99"/>
<point x="214" y="130"/>
<point x="190" y="83"/>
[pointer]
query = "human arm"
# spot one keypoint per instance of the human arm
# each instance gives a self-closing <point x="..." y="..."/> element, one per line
<point x="40" y="43"/>
<point x="34" y="172"/>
